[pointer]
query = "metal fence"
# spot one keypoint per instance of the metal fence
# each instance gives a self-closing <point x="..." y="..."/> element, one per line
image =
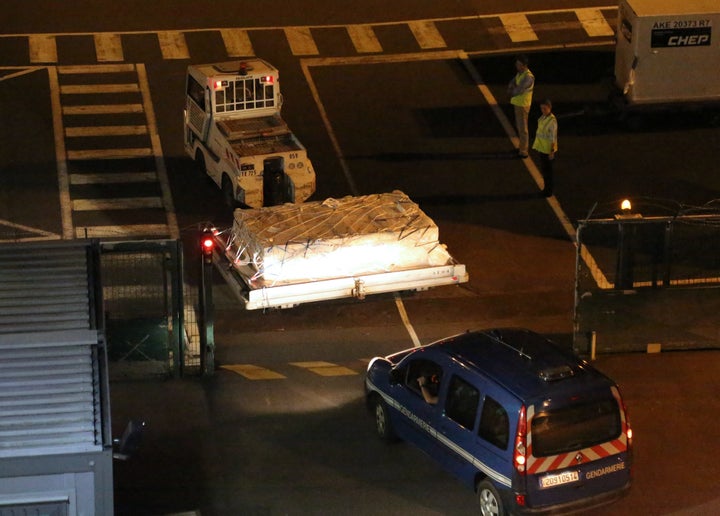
<point x="647" y="283"/>
<point x="150" y="310"/>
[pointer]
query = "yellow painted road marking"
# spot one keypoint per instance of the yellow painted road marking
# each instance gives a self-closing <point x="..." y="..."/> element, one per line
<point x="594" y="22"/>
<point x="325" y="368"/>
<point x="253" y="372"/>
<point x="427" y="34"/>
<point x="108" y="47"/>
<point x="301" y="41"/>
<point x="237" y="42"/>
<point x="518" y="27"/>
<point x="364" y="39"/>
<point x="43" y="48"/>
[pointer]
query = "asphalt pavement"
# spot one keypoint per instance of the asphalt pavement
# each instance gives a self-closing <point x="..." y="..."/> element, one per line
<point x="226" y="445"/>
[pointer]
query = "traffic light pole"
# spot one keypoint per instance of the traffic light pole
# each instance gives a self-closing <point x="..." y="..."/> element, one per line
<point x="206" y="316"/>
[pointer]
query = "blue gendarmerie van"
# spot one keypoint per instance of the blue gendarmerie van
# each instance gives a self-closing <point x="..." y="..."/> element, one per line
<point x="528" y="425"/>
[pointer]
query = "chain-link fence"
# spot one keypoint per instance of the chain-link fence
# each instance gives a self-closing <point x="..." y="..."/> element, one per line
<point x="648" y="283"/>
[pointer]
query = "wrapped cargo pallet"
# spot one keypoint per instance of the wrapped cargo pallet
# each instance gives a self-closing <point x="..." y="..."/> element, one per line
<point x="334" y="238"/>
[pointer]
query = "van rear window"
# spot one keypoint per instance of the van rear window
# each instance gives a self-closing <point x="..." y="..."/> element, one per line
<point x="576" y="427"/>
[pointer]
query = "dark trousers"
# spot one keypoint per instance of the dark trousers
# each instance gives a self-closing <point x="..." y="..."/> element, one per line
<point x="546" y="169"/>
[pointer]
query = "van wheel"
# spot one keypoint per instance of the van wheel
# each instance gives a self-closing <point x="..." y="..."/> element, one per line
<point x="383" y="425"/>
<point x="227" y="192"/>
<point x="489" y="499"/>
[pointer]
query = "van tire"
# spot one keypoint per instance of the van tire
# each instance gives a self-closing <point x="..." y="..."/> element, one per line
<point x="489" y="499"/>
<point x="383" y="425"/>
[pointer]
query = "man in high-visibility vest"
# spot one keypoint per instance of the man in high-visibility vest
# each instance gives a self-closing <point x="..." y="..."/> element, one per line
<point x="520" y="90"/>
<point x="546" y="144"/>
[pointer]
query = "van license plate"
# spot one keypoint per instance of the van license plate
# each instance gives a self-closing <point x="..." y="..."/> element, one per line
<point x="558" y="479"/>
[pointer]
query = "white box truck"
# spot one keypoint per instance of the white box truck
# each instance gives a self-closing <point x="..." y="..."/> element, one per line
<point x="666" y="52"/>
<point x="282" y="256"/>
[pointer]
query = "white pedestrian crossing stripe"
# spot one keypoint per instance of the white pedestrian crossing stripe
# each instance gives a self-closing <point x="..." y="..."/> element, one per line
<point x="108" y="47"/>
<point x="364" y="39"/>
<point x="594" y="22"/>
<point x="428" y="35"/>
<point x="91" y="194"/>
<point x="43" y="48"/>
<point x="173" y="45"/>
<point x="237" y="43"/>
<point x="518" y="28"/>
<point x="301" y="41"/>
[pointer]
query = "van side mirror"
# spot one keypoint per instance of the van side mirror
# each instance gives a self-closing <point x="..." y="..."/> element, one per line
<point x="128" y="444"/>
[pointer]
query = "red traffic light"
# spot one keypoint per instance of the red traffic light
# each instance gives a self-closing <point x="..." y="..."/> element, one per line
<point x="208" y="245"/>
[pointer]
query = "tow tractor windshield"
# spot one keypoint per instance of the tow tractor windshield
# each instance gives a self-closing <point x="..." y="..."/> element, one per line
<point x="244" y="93"/>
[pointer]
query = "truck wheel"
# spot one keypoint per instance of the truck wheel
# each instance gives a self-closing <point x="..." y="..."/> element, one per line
<point x="227" y="192"/>
<point x="200" y="162"/>
<point x="489" y="499"/>
<point x="383" y="425"/>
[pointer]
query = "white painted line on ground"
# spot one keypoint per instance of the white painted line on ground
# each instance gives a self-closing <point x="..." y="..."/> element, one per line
<point x="158" y="152"/>
<point x="328" y="127"/>
<point x="406" y="320"/>
<point x="42" y="234"/>
<point x="102" y="109"/>
<point x="532" y="168"/>
<point x="518" y="27"/>
<point x="94" y="69"/>
<point x="106" y="130"/>
<point x="126" y="231"/>
<point x="129" y="153"/>
<point x="364" y="39"/>
<point x="43" y="48"/>
<point x="427" y="34"/>
<point x="237" y="43"/>
<point x="89" y="89"/>
<point x="111" y="178"/>
<point x="24" y="70"/>
<point x="108" y="47"/>
<point x="301" y="41"/>
<point x="122" y="203"/>
<point x="173" y="45"/>
<point x="594" y="22"/>
<point x="60" y="155"/>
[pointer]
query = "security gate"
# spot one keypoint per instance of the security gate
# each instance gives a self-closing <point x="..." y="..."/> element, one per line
<point x="648" y="283"/>
<point x="150" y="312"/>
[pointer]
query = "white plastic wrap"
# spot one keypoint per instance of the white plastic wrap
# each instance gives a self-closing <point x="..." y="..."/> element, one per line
<point x="334" y="238"/>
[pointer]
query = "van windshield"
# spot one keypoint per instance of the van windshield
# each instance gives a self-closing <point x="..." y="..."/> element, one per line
<point x="576" y="427"/>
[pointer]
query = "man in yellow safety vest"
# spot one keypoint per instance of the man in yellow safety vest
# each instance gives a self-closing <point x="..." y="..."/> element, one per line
<point x="546" y="145"/>
<point x="520" y="90"/>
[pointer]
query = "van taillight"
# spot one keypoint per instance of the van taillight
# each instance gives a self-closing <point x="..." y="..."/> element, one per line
<point x="520" y="450"/>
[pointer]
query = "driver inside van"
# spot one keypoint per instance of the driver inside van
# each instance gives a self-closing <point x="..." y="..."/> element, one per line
<point x="429" y="387"/>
